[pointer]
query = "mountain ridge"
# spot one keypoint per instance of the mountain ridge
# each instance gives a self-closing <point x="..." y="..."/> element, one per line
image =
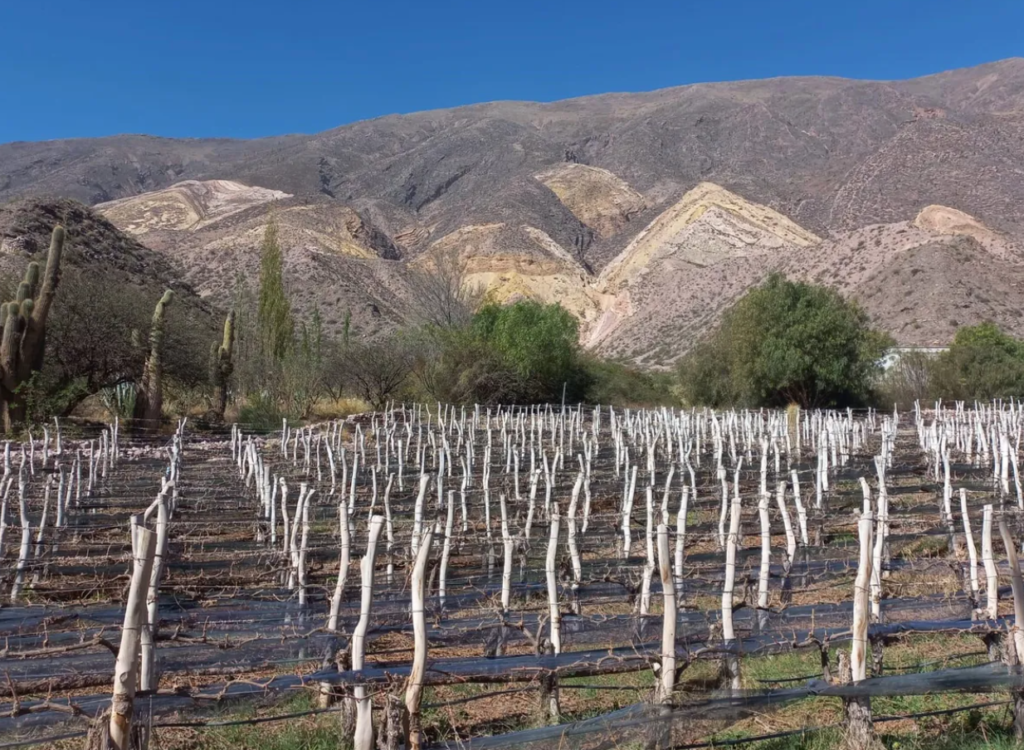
<point x="544" y="198"/>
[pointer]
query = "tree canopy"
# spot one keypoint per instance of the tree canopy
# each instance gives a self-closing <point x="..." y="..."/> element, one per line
<point x="539" y="343"/>
<point x="275" y="314"/>
<point x="983" y="362"/>
<point x="786" y="342"/>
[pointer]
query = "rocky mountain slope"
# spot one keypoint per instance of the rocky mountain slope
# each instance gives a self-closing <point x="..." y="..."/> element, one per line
<point x="211" y="231"/>
<point x="919" y="279"/>
<point x="645" y="214"/>
<point x="109" y="285"/>
<point x="93" y="244"/>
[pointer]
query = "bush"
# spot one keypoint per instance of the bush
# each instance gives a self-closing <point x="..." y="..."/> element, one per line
<point x="525" y="353"/>
<point x="457" y="366"/>
<point x="378" y="371"/>
<point x="618" y="384"/>
<point x="537" y="343"/>
<point x="982" y="363"/>
<point x="97" y="339"/>
<point x="260" y="413"/>
<point x="786" y="342"/>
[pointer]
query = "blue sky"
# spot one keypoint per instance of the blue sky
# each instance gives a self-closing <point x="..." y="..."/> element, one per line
<point x="242" y="69"/>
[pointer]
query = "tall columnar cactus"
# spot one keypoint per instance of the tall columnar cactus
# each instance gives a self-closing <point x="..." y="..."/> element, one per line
<point x="222" y="367"/>
<point x="150" y="396"/>
<point x="23" y="340"/>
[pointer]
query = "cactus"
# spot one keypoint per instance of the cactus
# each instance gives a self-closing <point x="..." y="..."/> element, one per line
<point x="222" y="366"/>
<point x="23" y="341"/>
<point x="149" y="398"/>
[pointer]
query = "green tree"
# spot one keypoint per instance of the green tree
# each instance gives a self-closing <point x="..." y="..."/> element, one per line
<point x="457" y="366"/>
<point x="983" y="362"/>
<point x="250" y="371"/>
<point x="539" y="343"/>
<point x="988" y="336"/>
<point x="275" y="314"/>
<point x="786" y="342"/>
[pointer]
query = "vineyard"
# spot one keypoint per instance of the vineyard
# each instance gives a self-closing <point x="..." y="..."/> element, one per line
<point x="543" y="577"/>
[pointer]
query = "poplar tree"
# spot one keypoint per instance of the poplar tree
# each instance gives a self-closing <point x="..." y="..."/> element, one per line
<point x="274" y="315"/>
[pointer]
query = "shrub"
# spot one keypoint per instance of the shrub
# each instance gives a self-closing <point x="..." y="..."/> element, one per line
<point x="457" y="366"/>
<point x="908" y="379"/>
<point x="260" y="413"/>
<point x="119" y="399"/>
<point x="609" y="382"/>
<point x="982" y="363"/>
<point x="378" y="371"/>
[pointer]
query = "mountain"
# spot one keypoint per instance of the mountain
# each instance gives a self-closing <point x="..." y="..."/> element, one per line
<point x="211" y="231"/>
<point x="109" y="285"/>
<point x="93" y="245"/>
<point x="645" y="214"/>
<point x="918" y="279"/>
<point x="923" y="278"/>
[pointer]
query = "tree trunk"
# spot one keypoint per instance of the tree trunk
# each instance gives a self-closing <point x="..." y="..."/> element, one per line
<point x="126" y="669"/>
<point x="390" y="735"/>
<point x="550" y="711"/>
<point x="860" y="731"/>
<point x="414" y="685"/>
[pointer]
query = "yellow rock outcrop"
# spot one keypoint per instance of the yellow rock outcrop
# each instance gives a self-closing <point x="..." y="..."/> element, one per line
<point x="945" y="220"/>
<point x="740" y="223"/>
<point x="188" y="205"/>
<point x="598" y="198"/>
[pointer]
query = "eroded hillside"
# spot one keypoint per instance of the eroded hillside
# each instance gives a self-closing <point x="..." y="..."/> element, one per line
<point x="663" y="291"/>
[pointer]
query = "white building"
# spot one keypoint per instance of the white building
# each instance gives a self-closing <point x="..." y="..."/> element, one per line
<point x="892" y="357"/>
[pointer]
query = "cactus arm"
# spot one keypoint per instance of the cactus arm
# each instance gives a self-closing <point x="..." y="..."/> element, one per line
<point x="222" y="367"/>
<point x="23" y="341"/>
<point x="156" y="341"/>
<point x="229" y="334"/>
<point x="9" y="344"/>
<point x="149" y="402"/>
<point x="51" y="278"/>
<point x="32" y="279"/>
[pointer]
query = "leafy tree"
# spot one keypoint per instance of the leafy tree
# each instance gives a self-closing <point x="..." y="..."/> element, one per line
<point x="250" y="365"/>
<point x="539" y="343"/>
<point x="983" y="362"/>
<point x="786" y="342"/>
<point x="275" y="314"/>
<point x="286" y="385"/>
<point x="988" y="336"/>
